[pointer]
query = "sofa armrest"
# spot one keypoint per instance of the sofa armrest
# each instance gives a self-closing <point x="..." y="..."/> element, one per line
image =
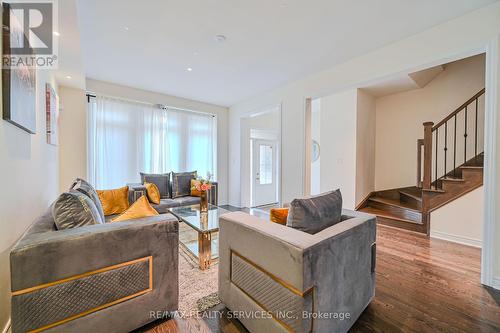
<point x="341" y="265"/>
<point x="46" y="257"/>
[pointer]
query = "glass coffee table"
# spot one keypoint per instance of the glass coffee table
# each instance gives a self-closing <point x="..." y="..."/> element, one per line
<point x="204" y="247"/>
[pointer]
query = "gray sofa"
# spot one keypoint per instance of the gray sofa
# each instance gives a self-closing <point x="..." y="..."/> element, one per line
<point x="137" y="190"/>
<point x="112" y="277"/>
<point x="271" y="268"/>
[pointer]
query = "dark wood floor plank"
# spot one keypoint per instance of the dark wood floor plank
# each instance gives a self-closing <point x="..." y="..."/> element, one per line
<point x="423" y="285"/>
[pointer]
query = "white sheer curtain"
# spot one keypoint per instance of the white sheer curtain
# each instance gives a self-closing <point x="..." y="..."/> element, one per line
<point x="125" y="138"/>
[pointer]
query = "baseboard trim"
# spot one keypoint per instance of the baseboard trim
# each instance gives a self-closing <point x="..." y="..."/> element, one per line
<point x="457" y="239"/>
<point x="6" y="329"/>
<point x="363" y="202"/>
<point x="496" y="283"/>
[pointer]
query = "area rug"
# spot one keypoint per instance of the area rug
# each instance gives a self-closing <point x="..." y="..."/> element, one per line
<point x="197" y="288"/>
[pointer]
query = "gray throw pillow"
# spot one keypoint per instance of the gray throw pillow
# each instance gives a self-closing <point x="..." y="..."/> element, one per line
<point x="84" y="187"/>
<point x="74" y="209"/>
<point x="181" y="183"/>
<point x="161" y="180"/>
<point x="314" y="214"/>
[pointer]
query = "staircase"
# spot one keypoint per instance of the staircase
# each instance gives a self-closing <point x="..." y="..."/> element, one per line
<point x="449" y="165"/>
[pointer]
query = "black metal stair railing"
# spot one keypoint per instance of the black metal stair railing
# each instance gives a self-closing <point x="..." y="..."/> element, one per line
<point x="439" y="134"/>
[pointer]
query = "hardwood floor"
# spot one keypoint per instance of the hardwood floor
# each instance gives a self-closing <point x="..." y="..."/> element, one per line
<point x="423" y="285"/>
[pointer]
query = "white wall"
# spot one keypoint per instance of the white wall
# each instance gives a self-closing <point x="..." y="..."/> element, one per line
<point x="115" y="90"/>
<point x="465" y="35"/>
<point x="461" y="220"/>
<point x="338" y="134"/>
<point x="72" y="136"/>
<point x="365" y="146"/>
<point x="495" y="229"/>
<point x="30" y="182"/>
<point x="400" y="117"/>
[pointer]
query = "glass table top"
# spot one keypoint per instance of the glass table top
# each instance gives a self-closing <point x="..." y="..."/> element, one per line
<point x="206" y="222"/>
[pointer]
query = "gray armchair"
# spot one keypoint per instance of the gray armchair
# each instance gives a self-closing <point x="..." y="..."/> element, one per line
<point x="290" y="277"/>
<point x="111" y="277"/>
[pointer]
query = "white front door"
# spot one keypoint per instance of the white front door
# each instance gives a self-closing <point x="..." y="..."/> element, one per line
<point x="264" y="156"/>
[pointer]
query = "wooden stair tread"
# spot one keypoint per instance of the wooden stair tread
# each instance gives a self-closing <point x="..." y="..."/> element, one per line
<point x="478" y="167"/>
<point x="451" y="179"/>
<point x="396" y="203"/>
<point x="383" y="213"/>
<point x="412" y="192"/>
<point x="434" y="190"/>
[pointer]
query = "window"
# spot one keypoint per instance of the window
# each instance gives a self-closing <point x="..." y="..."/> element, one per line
<point x="125" y="138"/>
<point x="266" y="164"/>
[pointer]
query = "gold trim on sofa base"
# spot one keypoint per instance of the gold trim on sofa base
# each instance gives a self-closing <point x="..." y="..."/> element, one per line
<point x="75" y="277"/>
<point x="276" y="279"/>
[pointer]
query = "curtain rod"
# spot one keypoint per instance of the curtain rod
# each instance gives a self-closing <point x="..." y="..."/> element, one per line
<point x="161" y="106"/>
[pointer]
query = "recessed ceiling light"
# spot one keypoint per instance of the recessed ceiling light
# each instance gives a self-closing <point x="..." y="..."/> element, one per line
<point x="126" y="28"/>
<point x="189" y="69"/>
<point x="56" y="33"/>
<point x="68" y="77"/>
<point x="220" y="38"/>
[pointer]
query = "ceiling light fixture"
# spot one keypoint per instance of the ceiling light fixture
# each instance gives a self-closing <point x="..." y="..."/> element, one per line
<point x="220" y="38"/>
<point x="189" y="69"/>
<point x="126" y="28"/>
<point x="68" y="77"/>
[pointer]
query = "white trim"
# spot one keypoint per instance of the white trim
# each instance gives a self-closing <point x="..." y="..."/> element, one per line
<point x="496" y="283"/>
<point x="6" y="329"/>
<point x="492" y="87"/>
<point x="457" y="239"/>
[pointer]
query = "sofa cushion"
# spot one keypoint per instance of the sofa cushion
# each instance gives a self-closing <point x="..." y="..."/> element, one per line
<point x="83" y="186"/>
<point x="75" y="209"/>
<point x="162" y="181"/>
<point x="186" y="201"/>
<point x="114" y="201"/>
<point x="316" y="213"/>
<point x="181" y="183"/>
<point x="140" y="208"/>
<point x="165" y="204"/>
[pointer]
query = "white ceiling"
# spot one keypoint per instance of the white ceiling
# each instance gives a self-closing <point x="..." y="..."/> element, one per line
<point x="269" y="42"/>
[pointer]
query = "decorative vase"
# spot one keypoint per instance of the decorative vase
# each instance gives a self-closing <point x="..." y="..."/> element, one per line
<point x="204" y="202"/>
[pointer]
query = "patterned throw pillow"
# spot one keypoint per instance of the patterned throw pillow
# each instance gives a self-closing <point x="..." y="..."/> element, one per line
<point x="114" y="201"/>
<point x="74" y="209"/>
<point x="84" y="187"/>
<point x="161" y="180"/>
<point x="314" y="214"/>
<point x="140" y="208"/>
<point x="181" y="183"/>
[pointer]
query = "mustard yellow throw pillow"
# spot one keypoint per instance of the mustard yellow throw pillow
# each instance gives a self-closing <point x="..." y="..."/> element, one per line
<point x="114" y="201"/>
<point x="153" y="192"/>
<point x="194" y="191"/>
<point x="140" y="208"/>
<point x="279" y="215"/>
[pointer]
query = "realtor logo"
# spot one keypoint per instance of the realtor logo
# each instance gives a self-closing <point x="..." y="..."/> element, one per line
<point x="28" y="32"/>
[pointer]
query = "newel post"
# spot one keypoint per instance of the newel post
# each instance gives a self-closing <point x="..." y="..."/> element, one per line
<point x="427" y="155"/>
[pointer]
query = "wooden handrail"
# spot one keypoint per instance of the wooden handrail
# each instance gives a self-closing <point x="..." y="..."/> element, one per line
<point x="460" y="108"/>
<point x="426" y="184"/>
